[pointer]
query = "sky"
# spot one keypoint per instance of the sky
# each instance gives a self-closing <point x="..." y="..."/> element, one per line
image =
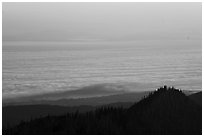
<point x="101" y="21"/>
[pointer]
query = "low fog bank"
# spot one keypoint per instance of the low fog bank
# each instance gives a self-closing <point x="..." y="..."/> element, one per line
<point x="98" y="90"/>
<point x="104" y="92"/>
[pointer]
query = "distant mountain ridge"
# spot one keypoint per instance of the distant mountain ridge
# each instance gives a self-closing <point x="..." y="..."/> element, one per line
<point x="97" y="90"/>
<point x="91" y="91"/>
<point x="92" y="101"/>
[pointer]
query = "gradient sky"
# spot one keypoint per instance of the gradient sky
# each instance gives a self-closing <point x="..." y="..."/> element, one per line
<point x="101" y="21"/>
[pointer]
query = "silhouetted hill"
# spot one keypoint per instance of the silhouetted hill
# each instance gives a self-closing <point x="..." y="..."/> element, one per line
<point x="196" y="97"/>
<point x="166" y="111"/>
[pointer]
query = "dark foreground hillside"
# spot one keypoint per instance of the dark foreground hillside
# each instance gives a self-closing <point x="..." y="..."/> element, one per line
<point x="165" y="111"/>
<point x="14" y="113"/>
